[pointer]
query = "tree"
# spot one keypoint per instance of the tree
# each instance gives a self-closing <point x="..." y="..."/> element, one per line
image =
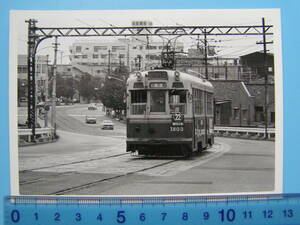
<point x="86" y="87"/>
<point x="112" y="94"/>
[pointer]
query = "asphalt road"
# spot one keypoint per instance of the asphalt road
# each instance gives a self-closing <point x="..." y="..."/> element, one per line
<point x="89" y="161"/>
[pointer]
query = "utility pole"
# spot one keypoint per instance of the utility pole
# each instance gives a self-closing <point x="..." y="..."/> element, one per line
<point x="61" y="57"/>
<point x="198" y="54"/>
<point x="53" y="108"/>
<point x="31" y="92"/>
<point x="109" y="62"/>
<point x="139" y="62"/>
<point x="128" y="62"/>
<point x="266" y="78"/>
<point x="265" y="71"/>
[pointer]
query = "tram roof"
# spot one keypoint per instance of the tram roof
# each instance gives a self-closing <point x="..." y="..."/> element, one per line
<point x="188" y="79"/>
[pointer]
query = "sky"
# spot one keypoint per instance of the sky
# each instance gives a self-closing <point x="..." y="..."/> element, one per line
<point x="226" y="46"/>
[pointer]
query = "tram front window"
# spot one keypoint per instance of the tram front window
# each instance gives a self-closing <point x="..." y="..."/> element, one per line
<point x="157" y="101"/>
<point x="177" y="101"/>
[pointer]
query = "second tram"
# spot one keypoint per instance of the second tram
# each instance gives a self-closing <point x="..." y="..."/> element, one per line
<point x="168" y="113"/>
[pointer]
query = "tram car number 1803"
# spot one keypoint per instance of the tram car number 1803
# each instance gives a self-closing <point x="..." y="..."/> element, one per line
<point x="177" y="122"/>
<point x="168" y="113"/>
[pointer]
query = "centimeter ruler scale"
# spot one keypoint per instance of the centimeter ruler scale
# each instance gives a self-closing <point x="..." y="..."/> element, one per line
<point x="275" y="209"/>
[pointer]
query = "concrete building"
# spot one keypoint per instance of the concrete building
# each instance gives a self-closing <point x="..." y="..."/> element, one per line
<point x="41" y="77"/>
<point x="103" y="57"/>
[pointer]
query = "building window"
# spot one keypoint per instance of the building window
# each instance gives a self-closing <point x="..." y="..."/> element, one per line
<point x="76" y="56"/>
<point x="78" y="49"/>
<point x="245" y="114"/>
<point x="141" y="47"/>
<point x="103" y="56"/>
<point x="153" y="57"/>
<point x="84" y="56"/>
<point x="151" y="47"/>
<point x="22" y="69"/>
<point x="259" y="114"/>
<point x="95" y="56"/>
<point x="236" y="113"/>
<point x="117" y="48"/>
<point x="99" y="48"/>
<point x="122" y="56"/>
<point x="272" y="117"/>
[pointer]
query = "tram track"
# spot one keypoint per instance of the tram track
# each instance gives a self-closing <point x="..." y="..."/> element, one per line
<point x="76" y="162"/>
<point x="96" y="182"/>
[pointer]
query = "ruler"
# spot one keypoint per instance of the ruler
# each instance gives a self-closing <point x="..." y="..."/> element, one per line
<point x="275" y="209"/>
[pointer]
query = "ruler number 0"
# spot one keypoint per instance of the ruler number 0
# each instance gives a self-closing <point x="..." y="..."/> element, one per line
<point x="15" y="216"/>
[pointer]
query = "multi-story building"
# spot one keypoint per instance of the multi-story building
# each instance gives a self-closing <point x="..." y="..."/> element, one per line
<point x="41" y="78"/>
<point x="99" y="57"/>
<point x="105" y="56"/>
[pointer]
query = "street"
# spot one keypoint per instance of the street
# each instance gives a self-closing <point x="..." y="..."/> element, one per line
<point x="89" y="161"/>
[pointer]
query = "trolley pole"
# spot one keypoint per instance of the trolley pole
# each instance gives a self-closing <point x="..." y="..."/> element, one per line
<point x="53" y="108"/>
<point x="205" y="55"/>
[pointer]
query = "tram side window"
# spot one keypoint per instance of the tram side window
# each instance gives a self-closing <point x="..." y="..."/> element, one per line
<point x="198" y="101"/>
<point x="177" y="101"/>
<point x="138" y="102"/>
<point x="209" y="101"/>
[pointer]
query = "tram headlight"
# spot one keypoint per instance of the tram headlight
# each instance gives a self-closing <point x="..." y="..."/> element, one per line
<point x="138" y="76"/>
<point x="177" y="75"/>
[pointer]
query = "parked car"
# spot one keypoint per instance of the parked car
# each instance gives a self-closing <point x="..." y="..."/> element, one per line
<point x="90" y="119"/>
<point x="23" y="99"/>
<point x="92" y="107"/>
<point x="107" y="124"/>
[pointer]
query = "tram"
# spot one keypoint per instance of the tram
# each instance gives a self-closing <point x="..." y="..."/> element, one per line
<point x="168" y="113"/>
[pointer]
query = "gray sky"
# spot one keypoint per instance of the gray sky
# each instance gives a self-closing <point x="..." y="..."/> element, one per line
<point x="226" y="46"/>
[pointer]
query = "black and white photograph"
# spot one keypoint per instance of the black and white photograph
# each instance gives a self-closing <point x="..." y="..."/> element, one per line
<point x="145" y="102"/>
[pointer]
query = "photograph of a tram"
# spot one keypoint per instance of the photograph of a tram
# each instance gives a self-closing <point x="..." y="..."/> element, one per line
<point x="169" y="113"/>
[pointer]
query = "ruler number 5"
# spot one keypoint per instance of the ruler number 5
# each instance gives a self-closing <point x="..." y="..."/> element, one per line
<point x="121" y="217"/>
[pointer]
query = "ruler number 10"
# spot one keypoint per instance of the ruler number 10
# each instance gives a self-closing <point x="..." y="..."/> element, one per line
<point x="227" y="215"/>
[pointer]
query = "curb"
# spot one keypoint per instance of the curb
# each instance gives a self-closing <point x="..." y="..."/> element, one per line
<point x="241" y="136"/>
<point x="45" y="140"/>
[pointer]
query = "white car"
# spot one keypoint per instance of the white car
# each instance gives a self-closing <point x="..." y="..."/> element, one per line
<point x="107" y="124"/>
<point x="92" y="106"/>
<point x="90" y="119"/>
